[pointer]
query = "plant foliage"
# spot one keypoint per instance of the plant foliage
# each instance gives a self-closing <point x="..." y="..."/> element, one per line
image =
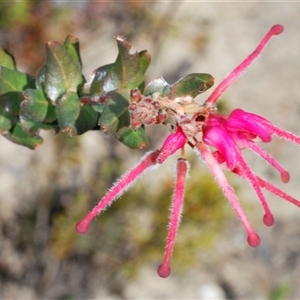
<point x="60" y="98"/>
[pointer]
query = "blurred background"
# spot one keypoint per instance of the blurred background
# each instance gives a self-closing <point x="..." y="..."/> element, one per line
<point x="43" y="193"/>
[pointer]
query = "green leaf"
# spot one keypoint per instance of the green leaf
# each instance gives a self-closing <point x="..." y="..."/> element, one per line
<point x="67" y="111"/>
<point x="6" y="120"/>
<point x="37" y="107"/>
<point x="115" y="120"/>
<point x="12" y="83"/>
<point x="33" y="127"/>
<point x="115" y="113"/>
<point x="158" y="85"/>
<point x="96" y="86"/>
<point x="126" y="73"/>
<point x="71" y="44"/>
<point x="98" y="107"/>
<point x="191" y="85"/>
<point x="18" y="135"/>
<point x="145" y="59"/>
<point x="7" y="60"/>
<point x="73" y="117"/>
<point x="135" y="139"/>
<point x="62" y="72"/>
<point x="40" y="78"/>
<point x="87" y="119"/>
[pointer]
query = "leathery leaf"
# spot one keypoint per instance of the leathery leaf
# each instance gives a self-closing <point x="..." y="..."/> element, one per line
<point x="62" y="71"/>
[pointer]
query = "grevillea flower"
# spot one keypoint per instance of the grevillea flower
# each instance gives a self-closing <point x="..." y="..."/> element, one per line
<point x="217" y="139"/>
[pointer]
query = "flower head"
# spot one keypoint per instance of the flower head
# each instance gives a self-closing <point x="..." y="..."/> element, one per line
<point x="217" y="139"/>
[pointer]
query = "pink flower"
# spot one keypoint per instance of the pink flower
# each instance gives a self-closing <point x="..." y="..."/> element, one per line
<point x="229" y="135"/>
<point x="222" y="139"/>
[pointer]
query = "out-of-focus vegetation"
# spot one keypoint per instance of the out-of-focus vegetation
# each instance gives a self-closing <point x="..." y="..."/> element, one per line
<point x="33" y="23"/>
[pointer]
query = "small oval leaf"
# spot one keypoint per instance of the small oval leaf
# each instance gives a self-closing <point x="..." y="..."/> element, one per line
<point x="115" y="113"/>
<point x="67" y="111"/>
<point x="71" y="44"/>
<point x="135" y="139"/>
<point x="12" y="83"/>
<point x="17" y="134"/>
<point x="37" y="107"/>
<point x="87" y="119"/>
<point x="127" y="72"/>
<point x="73" y="117"/>
<point x="191" y="85"/>
<point x="33" y="127"/>
<point x="96" y="85"/>
<point x="62" y="73"/>
<point x="30" y="126"/>
<point x="158" y="85"/>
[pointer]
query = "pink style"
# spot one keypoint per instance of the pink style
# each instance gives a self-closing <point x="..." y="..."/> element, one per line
<point x="218" y="140"/>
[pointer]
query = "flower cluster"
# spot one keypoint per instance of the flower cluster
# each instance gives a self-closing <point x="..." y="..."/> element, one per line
<point x="217" y="139"/>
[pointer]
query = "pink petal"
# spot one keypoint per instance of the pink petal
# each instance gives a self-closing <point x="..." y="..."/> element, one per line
<point x="241" y="121"/>
<point x="218" y="138"/>
<point x="172" y="143"/>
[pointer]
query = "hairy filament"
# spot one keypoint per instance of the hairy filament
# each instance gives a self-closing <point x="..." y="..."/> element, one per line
<point x="202" y="151"/>
<point x="182" y="170"/>
<point x="283" y="133"/>
<point x="275" y="30"/>
<point x="285" y="176"/>
<point x="250" y="176"/>
<point x="118" y="189"/>
<point x="271" y="188"/>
